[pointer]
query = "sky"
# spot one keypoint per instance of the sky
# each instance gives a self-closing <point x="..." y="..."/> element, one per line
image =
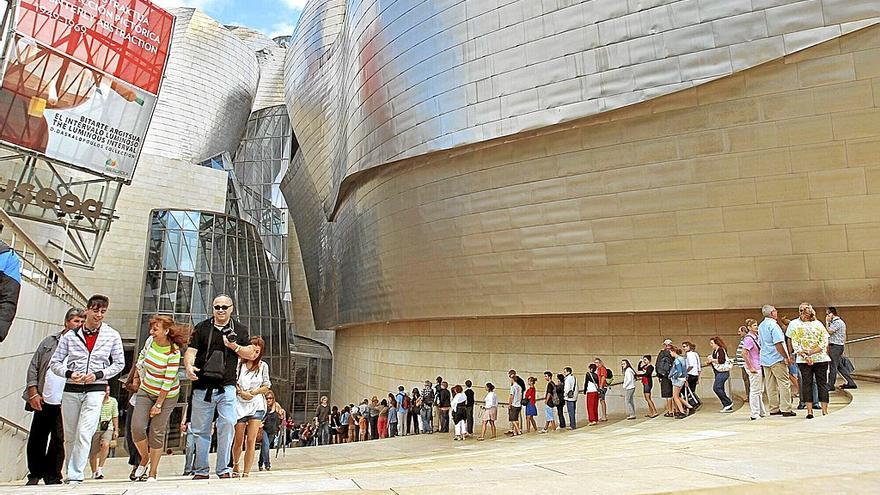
<point x="272" y="17"/>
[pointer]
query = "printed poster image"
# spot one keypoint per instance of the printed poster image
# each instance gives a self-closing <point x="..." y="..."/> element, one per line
<point x="56" y="106"/>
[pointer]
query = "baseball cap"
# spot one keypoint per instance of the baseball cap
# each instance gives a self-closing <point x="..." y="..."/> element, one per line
<point x="667" y="342"/>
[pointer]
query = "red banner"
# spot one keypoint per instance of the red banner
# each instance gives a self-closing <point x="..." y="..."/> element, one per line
<point x="126" y="38"/>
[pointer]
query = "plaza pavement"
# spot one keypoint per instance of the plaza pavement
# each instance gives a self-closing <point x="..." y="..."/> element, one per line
<point x="706" y="452"/>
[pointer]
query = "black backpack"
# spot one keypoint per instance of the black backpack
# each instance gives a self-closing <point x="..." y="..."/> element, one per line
<point x="608" y="374"/>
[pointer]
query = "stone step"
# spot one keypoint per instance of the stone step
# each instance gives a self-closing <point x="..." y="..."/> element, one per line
<point x="869" y="376"/>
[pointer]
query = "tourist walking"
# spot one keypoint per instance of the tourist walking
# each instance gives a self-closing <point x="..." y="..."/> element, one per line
<point x="629" y="388"/>
<point x="739" y="361"/>
<point x="560" y="400"/>
<point x="88" y="356"/>
<point x="591" y="394"/>
<point x="108" y="431"/>
<point x="132" y="385"/>
<point x="157" y="366"/>
<point x="211" y="363"/>
<point x="273" y="421"/>
<point x="774" y="363"/>
<point x="427" y="407"/>
<point x="459" y="413"/>
<point x="251" y="385"/>
<point x="809" y="341"/>
<point x="836" y="342"/>
<point x="751" y="351"/>
<point x="514" y="376"/>
<point x="550" y="400"/>
<point x="490" y="411"/>
<point x="392" y="416"/>
<point x="646" y="374"/>
<point x="678" y="376"/>
<point x="469" y="406"/>
<point x="322" y="421"/>
<point x="570" y="391"/>
<point x="694" y="368"/>
<point x="514" y="405"/>
<point x="438" y="418"/>
<point x="42" y="395"/>
<point x="663" y="368"/>
<point x="721" y="366"/>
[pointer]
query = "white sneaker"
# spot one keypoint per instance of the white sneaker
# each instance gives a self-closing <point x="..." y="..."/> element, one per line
<point x="727" y="408"/>
<point x="74" y="482"/>
<point x="140" y="472"/>
<point x="544" y="430"/>
<point x="151" y="479"/>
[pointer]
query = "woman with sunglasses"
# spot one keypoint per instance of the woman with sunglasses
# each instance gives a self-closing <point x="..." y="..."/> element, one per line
<point x="272" y="422"/>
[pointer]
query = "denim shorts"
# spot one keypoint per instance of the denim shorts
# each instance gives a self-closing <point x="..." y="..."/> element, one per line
<point x="257" y="416"/>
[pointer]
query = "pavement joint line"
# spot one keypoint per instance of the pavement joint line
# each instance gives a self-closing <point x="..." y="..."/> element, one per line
<point x="731" y="478"/>
<point x="550" y="469"/>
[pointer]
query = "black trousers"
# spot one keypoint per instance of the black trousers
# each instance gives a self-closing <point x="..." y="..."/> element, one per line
<point x="45" y="445"/>
<point x="560" y="409"/>
<point x="374" y="427"/>
<point x="412" y="421"/>
<point x="469" y="419"/>
<point x="444" y="420"/>
<point x="693" y="380"/>
<point x="817" y="372"/>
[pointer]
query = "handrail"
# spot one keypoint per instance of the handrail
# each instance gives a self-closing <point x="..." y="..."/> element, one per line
<point x="37" y="267"/>
<point x="15" y="426"/>
<point x="862" y="339"/>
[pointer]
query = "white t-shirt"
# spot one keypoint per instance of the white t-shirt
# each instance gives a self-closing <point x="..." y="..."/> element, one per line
<point x="693" y="363"/>
<point x="516" y="392"/>
<point x="570" y="385"/>
<point x="249" y="380"/>
<point x="53" y="387"/>
<point x="491" y="400"/>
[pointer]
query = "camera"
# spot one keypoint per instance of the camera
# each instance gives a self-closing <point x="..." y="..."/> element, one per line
<point x="231" y="336"/>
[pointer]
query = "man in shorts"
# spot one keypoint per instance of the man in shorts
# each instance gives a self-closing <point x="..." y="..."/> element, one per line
<point x="514" y="406"/>
<point x="108" y="430"/>
<point x="664" y="366"/>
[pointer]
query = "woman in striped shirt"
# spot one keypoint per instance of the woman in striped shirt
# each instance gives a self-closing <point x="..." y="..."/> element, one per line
<point x="157" y="366"/>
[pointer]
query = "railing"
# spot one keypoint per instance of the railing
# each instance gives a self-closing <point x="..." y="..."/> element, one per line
<point x="15" y="426"/>
<point x="862" y="339"/>
<point x="37" y="267"/>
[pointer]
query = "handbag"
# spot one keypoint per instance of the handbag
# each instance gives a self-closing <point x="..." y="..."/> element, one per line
<point x="104" y="426"/>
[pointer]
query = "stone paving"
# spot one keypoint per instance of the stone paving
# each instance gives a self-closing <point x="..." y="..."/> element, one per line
<point x="705" y="452"/>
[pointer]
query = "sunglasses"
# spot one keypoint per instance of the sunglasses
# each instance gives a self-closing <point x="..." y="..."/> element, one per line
<point x="221" y="307"/>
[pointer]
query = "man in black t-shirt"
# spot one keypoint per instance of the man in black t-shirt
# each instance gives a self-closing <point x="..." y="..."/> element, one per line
<point x="550" y="402"/>
<point x="469" y="406"/>
<point x="444" y="402"/>
<point x="210" y="362"/>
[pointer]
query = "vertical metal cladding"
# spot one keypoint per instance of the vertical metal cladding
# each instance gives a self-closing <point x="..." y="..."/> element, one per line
<point x="383" y="96"/>
<point x="209" y="88"/>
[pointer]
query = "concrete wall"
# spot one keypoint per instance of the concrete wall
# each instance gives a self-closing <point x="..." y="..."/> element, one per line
<point x="39" y="315"/>
<point x="375" y="359"/>
<point x="119" y="272"/>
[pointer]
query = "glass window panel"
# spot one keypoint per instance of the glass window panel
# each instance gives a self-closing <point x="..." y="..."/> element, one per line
<point x="188" y="251"/>
<point x="206" y="222"/>
<point x="171" y="251"/>
<point x="205" y="249"/>
<point x="184" y="293"/>
<point x="168" y="292"/>
<point x="314" y="373"/>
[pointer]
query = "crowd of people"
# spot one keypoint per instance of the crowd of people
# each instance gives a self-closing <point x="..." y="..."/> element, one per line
<point x="232" y="405"/>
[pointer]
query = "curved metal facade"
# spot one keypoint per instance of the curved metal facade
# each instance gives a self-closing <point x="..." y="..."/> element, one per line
<point x="208" y="91"/>
<point x="371" y="83"/>
<point x="520" y="157"/>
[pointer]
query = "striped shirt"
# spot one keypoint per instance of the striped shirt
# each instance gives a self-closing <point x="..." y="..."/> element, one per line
<point x="740" y="360"/>
<point x="159" y="367"/>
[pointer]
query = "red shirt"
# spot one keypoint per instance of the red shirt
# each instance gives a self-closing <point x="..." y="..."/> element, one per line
<point x="90" y="340"/>
<point x="603" y="376"/>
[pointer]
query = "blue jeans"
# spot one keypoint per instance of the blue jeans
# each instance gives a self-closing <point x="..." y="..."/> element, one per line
<point x="265" y="450"/>
<point x="426" y="420"/>
<point x="721" y="378"/>
<point x="572" y="408"/>
<point x="190" y="451"/>
<point x="202" y="416"/>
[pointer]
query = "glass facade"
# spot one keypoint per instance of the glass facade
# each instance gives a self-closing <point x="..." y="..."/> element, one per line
<point x="312" y="366"/>
<point x="194" y="256"/>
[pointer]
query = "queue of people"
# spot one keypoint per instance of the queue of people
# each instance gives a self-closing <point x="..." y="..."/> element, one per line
<point x="76" y="420"/>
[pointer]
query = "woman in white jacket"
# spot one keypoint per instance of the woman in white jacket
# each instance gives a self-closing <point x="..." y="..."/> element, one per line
<point x="629" y="388"/>
<point x="459" y="414"/>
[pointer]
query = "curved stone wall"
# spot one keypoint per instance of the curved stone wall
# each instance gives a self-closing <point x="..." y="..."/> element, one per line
<point x="209" y="87"/>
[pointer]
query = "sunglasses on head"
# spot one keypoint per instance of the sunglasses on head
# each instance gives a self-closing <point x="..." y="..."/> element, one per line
<point x="222" y="307"/>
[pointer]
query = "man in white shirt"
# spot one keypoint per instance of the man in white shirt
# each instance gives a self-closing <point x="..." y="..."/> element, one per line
<point x="45" y="446"/>
<point x="693" y="368"/>
<point x="570" y="396"/>
<point x="514" y="406"/>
